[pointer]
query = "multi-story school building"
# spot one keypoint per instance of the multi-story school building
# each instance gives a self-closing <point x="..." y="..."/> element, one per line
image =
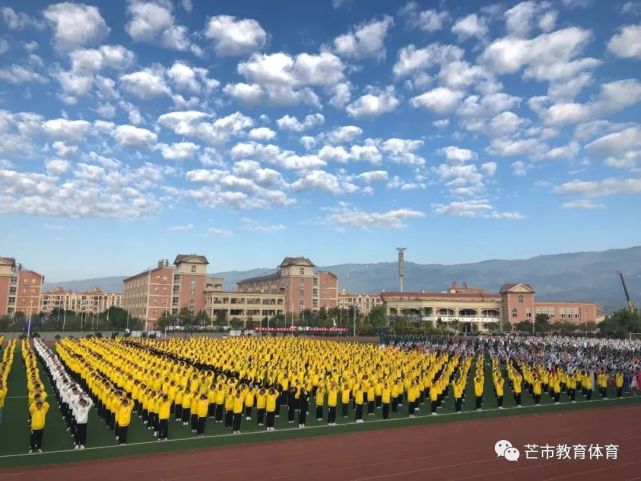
<point x="364" y="303"/>
<point x="473" y="306"/>
<point x="20" y="289"/>
<point x="304" y="288"/>
<point x="93" y="301"/>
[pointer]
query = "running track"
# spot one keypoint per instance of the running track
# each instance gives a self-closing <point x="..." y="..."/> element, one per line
<point x="445" y="451"/>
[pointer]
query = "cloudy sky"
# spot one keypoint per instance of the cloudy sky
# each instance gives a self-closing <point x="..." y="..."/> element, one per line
<point x="337" y="129"/>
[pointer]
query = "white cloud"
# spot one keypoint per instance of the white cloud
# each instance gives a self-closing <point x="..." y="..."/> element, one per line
<point x="19" y="20"/>
<point x="262" y="133"/>
<point x="234" y="37"/>
<point x="181" y="228"/>
<point x="292" y="124"/>
<point x="114" y="57"/>
<point x="520" y="19"/>
<point x="474" y="208"/>
<point x="403" y="151"/>
<point x="519" y="168"/>
<point x="20" y="74"/>
<point x="344" y="134"/>
<point x="373" y="176"/>
<point x="180" y="151"/>
<point x="253" y="225"/>
<point x="110" y="191"/>
<point x="218" y="232"/>
<point x="457" y="155"/>
<point x="627" y="42"/>
<point x="246" y="93"/>
<point x="411" y="59"/>
<point x="373" y="104"/>
<point x="75" y="24"/>
<point x="324" y="182"/>
<point x="345" y="215"/>
<point x="191" y="79"/>
<point x="286" y="80"/>
<point x="599" y="188"/>
<point x="582" y="204"/>
<point x="134" y="137"/>
<point x="440" y="100"/>
<point x="550" y="56"/>
<point x="617" y="142"/>
<point x="367" y="40"/>
<point x="568" y="151"/>
<point x="147" y="83"/>
<point x="470" y="26"/>
<point x="71" y="131"/>
<point x="57" y="167"/>
<point x="426" y="20"/>
<point x="153" y="22"/>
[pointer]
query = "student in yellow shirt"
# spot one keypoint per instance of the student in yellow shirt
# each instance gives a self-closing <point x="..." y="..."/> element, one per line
<point x="320" y="402"/>
<point x="239" y="403"/>
<point x="220" y="402"/>
<point x="261" y="399"/>
<point x="332" y="401"/>
<point x="202" y="409"/>
<point x="3" y="395"/>
<point x="186" y="406"/>
<point x="359" y="400"/>
<point x="386" y="398"/>
<point x="434" y="398"/>
<point x="457" y="389"/>
<point x="164" y="410"/>
<point x="194" y="412"/>
<point x="478" y="391"/>
<point x="303" y="397"/>
<point x="270" y="408"/>
<point x="123" y="419"/>
<point x="536" y="391"/>
<point x="38" y="412"/>
<point x="345" y="394"/>
<point x="618" y="382"/>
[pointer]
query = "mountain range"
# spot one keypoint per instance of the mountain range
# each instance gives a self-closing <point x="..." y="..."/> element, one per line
<point x="580" y="276"/>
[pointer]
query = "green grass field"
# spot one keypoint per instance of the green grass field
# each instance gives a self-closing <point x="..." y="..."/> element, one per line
<point x="58" y="444"/>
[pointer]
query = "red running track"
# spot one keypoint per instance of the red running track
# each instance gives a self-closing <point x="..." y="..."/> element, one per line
<point x="447" y="451"/>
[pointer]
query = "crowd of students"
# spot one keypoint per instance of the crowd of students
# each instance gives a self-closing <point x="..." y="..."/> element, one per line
<point x="5" y="368"/>
<point x="201" y="382"/>
<point x="74" y="403"/>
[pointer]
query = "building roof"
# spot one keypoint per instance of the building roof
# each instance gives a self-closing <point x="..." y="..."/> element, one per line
<point x="7" y="261"/>
<point x="266" y="277"/>
<point x="447" y="295"/>
<point x="508" y="287"/>
<point x="191" y="258"/>
<point x="296" y="261"/>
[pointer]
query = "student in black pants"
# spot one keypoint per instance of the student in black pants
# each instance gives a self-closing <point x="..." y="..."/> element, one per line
<point x="303" y="401"/>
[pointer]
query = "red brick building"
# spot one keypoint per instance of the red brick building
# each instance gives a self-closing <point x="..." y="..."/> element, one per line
<point x="20" y="289"/>
<point x="303" y="287"/>
<point x="167" y="289"/>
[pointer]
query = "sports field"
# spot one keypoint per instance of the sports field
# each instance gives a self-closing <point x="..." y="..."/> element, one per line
<point x="58" y="445"/>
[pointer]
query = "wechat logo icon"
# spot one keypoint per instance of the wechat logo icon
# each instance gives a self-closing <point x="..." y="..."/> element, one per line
<point x="504" y="448"/>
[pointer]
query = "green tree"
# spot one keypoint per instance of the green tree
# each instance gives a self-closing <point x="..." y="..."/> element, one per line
<point x="524" y="326"/>
<point x="186" y="317"/>
<point x="377" y="317"/>
<point x="164" y="321"/>
<point x="201" y="318"/>
<point x="541" y="323"/>
<point x="620" y="324"/>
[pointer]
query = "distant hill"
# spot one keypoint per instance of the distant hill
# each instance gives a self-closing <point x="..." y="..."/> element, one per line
<point x="581" y="276"/>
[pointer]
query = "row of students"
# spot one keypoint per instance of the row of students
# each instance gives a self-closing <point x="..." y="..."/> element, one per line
<point x="5" y="368"/>
<point x="74" y="403"/>
<point x="36" y="398"/>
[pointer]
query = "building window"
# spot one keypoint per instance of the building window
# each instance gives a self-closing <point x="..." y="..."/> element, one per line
<point x="520" y="298"/>
<point x="193" y="268"/>
<point x="514" y="312"/>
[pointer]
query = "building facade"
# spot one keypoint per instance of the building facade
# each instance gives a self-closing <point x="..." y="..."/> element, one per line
<point x="93" y="301"/>
<point x="303" y="288"/>
<point x="364" y="302"/>
<point x="244" y="306"/>
<point x="474" y="306"/>
<point x="20" y="289"/>
<point x="165" y="289"/>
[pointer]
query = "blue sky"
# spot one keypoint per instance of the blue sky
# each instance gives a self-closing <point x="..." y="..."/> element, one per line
<point x="246" y="131"/>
